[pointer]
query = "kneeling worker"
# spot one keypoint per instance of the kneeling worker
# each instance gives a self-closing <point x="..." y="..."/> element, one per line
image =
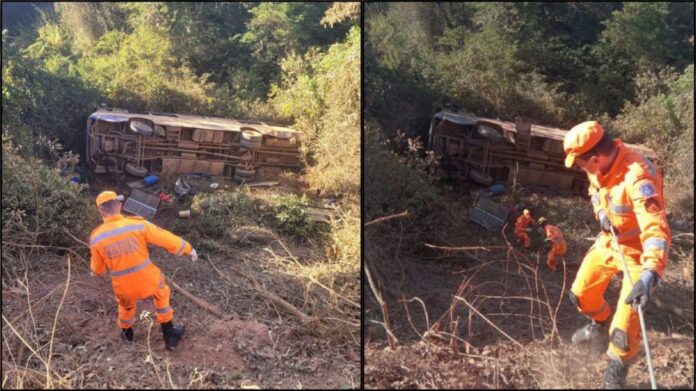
<point x="555" y="241"/>
<point x="120" y="245"/>
<point x="627" y="199"/>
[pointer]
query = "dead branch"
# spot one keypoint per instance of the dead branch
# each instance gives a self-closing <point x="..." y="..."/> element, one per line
<point x="275" y="298"/>
<point x="489" y="322"/>
<point x="486" y="248"/>
<point x="74" y="238"/>
<point x="680" y="312"/>
<point x="314" y="280"/>
<point x="393" y="342"/>
<point x="386" y="218"/>
<point x="220" y="273"/>
<point x="213" y="309"/>
<point x="53" y="331"/>
<point x="408" y="314"/>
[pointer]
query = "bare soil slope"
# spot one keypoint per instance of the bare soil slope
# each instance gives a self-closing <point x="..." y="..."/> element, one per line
<point x="498" y="318"/>
<point x="257" y="343"/>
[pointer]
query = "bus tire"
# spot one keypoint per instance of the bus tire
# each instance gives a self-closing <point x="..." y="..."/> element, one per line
<point x="136" y="170"/>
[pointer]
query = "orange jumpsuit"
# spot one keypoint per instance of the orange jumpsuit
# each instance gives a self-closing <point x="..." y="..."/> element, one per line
<point x="631" y="195"/>
<point x="558" y="245"/>
<point x="120" y="245"/>
<point x="521" y="230"/>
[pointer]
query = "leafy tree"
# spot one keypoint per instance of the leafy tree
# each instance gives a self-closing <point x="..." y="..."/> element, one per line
<point x="321" y="92"/>
<point x="278" y="29"/>
<point x="652" y="35"/>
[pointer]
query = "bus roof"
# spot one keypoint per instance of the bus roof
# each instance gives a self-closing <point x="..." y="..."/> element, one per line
<point x="537" y="130"/>
<point x="196" y="121"/>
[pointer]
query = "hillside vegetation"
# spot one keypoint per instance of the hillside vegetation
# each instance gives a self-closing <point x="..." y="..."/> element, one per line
<point x="296" y="64"/>
<point x="478" y="312"/>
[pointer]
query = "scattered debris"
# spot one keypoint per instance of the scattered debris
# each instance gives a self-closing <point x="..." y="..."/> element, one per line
<point x="142" y="203"/>
<point x="151" y="180"/>
<point x="261" y="184"/>
<point x="181" y="187"/>
<point x="488" y="214"/>
<point x="185" y="214"/>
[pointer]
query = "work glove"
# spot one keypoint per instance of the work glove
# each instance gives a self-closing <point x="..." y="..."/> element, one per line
<point x="547" y="244"/>
<point x="604" y="221"/>
<point x="641" y="293"/>
<point x="194" y="255"/>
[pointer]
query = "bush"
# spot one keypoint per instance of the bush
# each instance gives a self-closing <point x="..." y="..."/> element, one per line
<point x="321" y="92"/>
<point x="287" y="212"/>
<point x="663" y="119"/>
<point x="39" y="204"/>
<point x="219" y="213"/>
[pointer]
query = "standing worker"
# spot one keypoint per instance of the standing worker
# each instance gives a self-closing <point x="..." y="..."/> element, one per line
<point x="522" y="228"/>
<point x="120" y="245"/>
<point x="626" y="194"/>
<point x="556" y="242"/>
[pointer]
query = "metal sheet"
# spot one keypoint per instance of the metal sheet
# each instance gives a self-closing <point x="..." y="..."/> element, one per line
<point x="142" y="203"/>
<point x="488" y="214"/>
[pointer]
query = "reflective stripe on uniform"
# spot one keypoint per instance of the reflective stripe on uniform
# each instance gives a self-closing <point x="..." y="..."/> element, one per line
<point x="133" y="269"/>
<point x="651" y="167"/>
<point x="128" y="321"/>
<point x="181" y="249"/>
<point x="656" y="243"/>
<point x="117" y="231"/>
<point x="164" y="310"/>
<point x="617" y="208"/>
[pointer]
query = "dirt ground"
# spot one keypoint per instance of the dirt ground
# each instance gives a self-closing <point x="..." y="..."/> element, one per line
<point x="515" y="346"/>
<point x="262" y="345"/>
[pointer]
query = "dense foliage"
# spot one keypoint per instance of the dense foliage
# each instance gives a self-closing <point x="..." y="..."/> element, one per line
<point x="629" y="65"/>
<point x="292" y="63"/>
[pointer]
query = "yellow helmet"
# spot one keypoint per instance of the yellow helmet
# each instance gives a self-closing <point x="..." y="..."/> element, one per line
<point x="526" y="213"/>
<point x="541" y="221"/>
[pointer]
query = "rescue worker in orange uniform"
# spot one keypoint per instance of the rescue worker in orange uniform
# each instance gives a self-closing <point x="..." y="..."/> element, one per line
<point x="626" y="194"/>
<point x="555" y="241"/>
<point x="522" y="228"/>
<point x="119" y="245"/>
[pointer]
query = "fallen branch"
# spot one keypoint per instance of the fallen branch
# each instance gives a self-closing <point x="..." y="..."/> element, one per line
<point x="274" y="298"/>
<point x="314" y="280"/>
<point x="488" y="321"/>
<point x="259" y="184"/>
<point x="213" y="309"/>
<point x="220" y="273"/>
<point x="386" y="218"/>
<point x="680" y="312"/>
<point x="486" y="248"/>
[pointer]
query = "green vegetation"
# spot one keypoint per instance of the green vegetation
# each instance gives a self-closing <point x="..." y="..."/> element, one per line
<point x="629" y="65"/>
<point x="38" y="200"/>
<point x="295" y="63"/>
<point x="288" y="213"/>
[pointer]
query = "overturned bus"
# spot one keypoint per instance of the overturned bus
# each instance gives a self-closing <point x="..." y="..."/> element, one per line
<point x="485" y="150"/>
<point x="141" y="144"/>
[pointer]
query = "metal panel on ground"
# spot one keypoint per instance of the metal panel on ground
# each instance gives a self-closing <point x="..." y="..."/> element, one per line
<point x="488" y="214"/>
<point x="142" y="203"/>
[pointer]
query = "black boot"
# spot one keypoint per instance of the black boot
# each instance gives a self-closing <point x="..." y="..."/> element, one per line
<point x="588" y="332"/>
<point x="172" y="334"/>
<point x="615" y="377"/>
<point x="127" y="334"/>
